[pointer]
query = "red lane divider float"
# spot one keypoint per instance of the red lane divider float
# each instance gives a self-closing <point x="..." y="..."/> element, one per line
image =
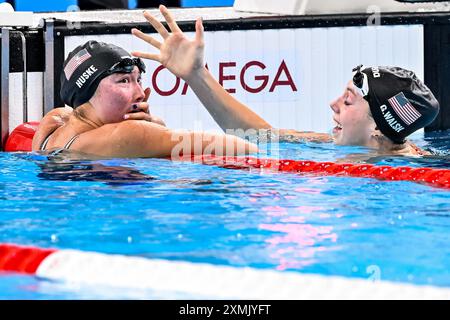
<point x="22" y="259"/>
<point x="435" y="177"/>
<point x="20" y="140"/>
<point x="197" y="279"/>
<point x="21" y="137"/>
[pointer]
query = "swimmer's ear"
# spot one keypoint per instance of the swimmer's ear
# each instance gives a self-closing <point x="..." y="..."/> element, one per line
<point x="376" y="132"/>
<point x="147" y="94"/>
<point x="377" y="135"/>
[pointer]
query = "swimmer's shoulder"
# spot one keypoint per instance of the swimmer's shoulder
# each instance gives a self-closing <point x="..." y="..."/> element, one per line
<point x="49" y="123"/>
<point x="57" y="115"/>
<point x="408" y="149"/>
<point x="417" y="151"/>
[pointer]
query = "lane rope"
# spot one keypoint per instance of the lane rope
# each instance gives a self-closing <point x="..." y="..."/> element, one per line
<point x="435" y="177"/>
<point x="20" y="140"/>
<point x="198" y="279"/>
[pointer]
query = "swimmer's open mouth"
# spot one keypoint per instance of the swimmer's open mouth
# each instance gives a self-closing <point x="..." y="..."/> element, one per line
<point x="338" y="127"/>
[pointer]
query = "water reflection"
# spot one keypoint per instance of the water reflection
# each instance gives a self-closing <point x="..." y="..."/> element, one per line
<point x="297" y="236"/>
<point x="82" y="171"/>
<point x="63" y="167"/>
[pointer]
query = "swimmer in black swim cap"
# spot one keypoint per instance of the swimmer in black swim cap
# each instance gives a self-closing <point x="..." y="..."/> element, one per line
<point x="399" y="102"/>
<point x="380" y="107"/>
<point x="107" y="113"/>
<point x="88" y="64"/>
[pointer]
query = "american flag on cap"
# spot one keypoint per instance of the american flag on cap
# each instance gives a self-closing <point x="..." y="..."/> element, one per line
<point x="75" y="62"/>
<point x="404" y="109"/>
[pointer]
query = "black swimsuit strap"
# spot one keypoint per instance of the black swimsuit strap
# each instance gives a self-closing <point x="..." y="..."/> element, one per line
<point x="68" y="144"/>
<point x="45" y="142"/>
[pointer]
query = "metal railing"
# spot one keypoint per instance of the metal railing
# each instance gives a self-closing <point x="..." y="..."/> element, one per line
<point x="4" y="86"/>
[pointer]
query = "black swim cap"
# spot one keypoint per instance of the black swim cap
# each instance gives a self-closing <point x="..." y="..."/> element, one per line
<point x="88" y="64"/>
<point x="399" y="102"/>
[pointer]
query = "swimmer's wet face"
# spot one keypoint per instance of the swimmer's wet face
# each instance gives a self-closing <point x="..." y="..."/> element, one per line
<point x="117" y="94"/>
<point x="351" y="114"/>
<point x="88" y="64"/>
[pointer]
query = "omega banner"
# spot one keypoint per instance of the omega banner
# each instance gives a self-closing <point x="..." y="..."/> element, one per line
<point x="288" y="76"/>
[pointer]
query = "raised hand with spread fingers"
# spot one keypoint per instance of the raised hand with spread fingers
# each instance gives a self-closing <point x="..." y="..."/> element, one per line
<point x="183" y="57"/>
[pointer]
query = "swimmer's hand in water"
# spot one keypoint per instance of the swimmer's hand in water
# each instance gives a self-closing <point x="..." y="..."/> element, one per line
<point x="140" y="111"/>
<point x="183" y="57"/>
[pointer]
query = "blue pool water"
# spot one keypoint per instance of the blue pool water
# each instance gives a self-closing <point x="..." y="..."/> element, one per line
<point x="350" y="227"/>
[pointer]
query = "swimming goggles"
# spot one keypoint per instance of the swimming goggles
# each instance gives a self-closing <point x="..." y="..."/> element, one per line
<point x="360" y="81"/>
<point x="126" y="65"/>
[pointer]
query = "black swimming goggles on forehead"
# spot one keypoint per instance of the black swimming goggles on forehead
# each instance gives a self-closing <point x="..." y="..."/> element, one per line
<point x="126" y="65"/>
<point x="360" y="81"/>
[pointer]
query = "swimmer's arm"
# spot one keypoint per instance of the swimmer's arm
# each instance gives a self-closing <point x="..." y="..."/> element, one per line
<point x="184" y="58"/>
<point x="286" y="135"/>
<point x="227" y="111"/>
<point x="149" y="140"/>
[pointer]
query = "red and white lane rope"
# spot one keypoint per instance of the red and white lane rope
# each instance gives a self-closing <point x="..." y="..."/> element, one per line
<point x="435" y="177"/>
<point x="21" y="137"/>
<point x="198" y="279"/>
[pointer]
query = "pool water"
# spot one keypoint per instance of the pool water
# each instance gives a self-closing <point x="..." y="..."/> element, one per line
<point x="350" y="227"/>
